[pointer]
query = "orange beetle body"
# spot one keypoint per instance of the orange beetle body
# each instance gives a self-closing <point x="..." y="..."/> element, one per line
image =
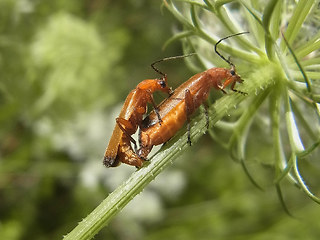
<point x="176" y="110"/>
<point x="130" y="117"/>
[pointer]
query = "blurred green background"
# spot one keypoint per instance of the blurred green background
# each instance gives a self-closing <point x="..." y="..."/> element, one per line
<point x="65" y="69"/>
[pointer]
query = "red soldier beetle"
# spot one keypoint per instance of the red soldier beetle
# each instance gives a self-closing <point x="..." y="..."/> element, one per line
<point x="130" y="117"/>
<point x="178" y="108"/>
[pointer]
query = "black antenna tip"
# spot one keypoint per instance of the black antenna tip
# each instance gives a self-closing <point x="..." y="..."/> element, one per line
<point x="166" y="59"/>
<point x="222" y="39"/>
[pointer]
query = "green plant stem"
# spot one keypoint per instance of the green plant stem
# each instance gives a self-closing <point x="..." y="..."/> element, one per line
<point x="117" y="200"/>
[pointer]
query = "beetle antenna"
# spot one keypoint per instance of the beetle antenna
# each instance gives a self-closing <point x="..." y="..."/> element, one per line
<point x="165" y="59"/>
<point x="219" y="54"/>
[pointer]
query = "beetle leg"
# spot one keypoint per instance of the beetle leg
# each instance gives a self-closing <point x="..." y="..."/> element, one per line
<point x="127" y="156"/>
<point x="233" y="83"/>
<point x="206" y="107"/>
<point x="155" y="109"/>
<point x="124" y="125"/>
<point x="140" y="143"/>
<point x="189" y="108"/>
<point x="145" y="148"/>
<point x="237" y="91"/>
<point x="221" y="87"/>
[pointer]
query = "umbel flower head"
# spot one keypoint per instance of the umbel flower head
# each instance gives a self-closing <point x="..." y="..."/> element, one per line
<point x="279" y="62"/>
